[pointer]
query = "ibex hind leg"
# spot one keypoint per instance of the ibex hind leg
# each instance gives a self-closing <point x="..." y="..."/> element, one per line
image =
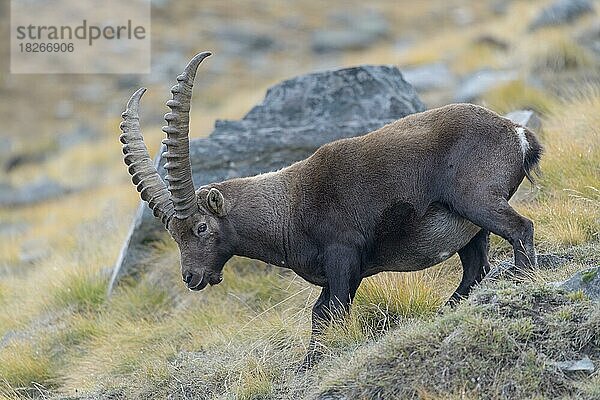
<point x="497" y="216"/>
<point x="474" y="259"/>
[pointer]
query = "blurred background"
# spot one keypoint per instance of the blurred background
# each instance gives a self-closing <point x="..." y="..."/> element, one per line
<point x="66" y="200"/>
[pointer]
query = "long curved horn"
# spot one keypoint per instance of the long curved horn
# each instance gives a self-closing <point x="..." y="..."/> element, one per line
<point x="141" y="168"/>
<point x="179" y="170"/>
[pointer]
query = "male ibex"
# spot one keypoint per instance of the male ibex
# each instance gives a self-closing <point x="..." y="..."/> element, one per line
<point x="402" y="198"/>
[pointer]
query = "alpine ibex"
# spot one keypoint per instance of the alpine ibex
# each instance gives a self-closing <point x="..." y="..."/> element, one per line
<point x="402" y="198"/>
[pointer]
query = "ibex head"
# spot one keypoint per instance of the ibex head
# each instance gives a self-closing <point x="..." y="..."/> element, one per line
<point x="197" y="220"/>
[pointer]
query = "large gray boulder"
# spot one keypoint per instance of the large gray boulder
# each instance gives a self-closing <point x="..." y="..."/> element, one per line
<point x="296" y="117"/>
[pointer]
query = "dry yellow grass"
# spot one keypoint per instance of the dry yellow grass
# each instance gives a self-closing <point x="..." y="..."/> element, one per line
<point x="517" y="95"/>
<point x="568" y="211"/>
<point x="23" y="365"/>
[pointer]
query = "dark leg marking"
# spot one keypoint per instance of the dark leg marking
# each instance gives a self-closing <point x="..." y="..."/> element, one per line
<point x="474" y="259"/>
<point x="342" y="268"/>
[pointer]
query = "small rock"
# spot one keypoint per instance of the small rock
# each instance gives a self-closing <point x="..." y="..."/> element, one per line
<point x="368" y="22"/>
<point x="291" y="22"/>
<point x="585" y="364"/>
<point x="40" y="190"/>
<point x="561" y="12"/>
<point x="356" y="32"/>
<point x="590" y="38"/>
<point x="166" y="64"/>
<point x="588" y="281"/>
<point x="14" y="228"/>
<point x="7" y="148"/>
<point x="162" y="4"/>
<point x="502" y="269"/>
<point x="81" y="134"/>
<point x="17" y="160"/>
<point x="429" y="77"/>
<point x="127" y="81"/>
<point x="332" y="396"/>
<point x="462" y="16"/>
<point x="544" y="260"/>
<point x="32" y="251"/>
<point x="328" y="41"/>
<point x="551" y="261"/>
<point x="526" y="118"/>
<point x="499" y="7"/>
<point x="244" y="39"/>
<point x="477" y="84"/>
<point x="95" y="92"/>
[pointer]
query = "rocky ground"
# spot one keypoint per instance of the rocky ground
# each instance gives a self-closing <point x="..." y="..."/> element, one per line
<point x="66" y="203"/>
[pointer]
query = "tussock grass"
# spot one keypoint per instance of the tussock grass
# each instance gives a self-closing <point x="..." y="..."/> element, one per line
<point x="557" y="53"/>
<point x="142" y="302"/>
<point x="477" y="56"/>
<point x="501" y="343"/>
<point x="82" y="290"/>
<point x="10" y="253"/>
<point x="568" y="208"/>
<point x="517" y="95"/>
<point x="385" y="300"/>
<point x="565" y="221"/>
<point x="23" y="366"/>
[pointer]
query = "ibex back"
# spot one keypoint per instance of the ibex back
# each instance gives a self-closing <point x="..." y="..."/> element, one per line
<point x="402" y="198"/>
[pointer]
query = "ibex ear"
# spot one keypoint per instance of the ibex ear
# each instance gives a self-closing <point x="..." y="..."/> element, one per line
<point x="216" y="202"/>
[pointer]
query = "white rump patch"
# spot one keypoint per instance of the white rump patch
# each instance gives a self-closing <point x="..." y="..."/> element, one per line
<point x="443" y="255"/>
<point x="522" y="140"/>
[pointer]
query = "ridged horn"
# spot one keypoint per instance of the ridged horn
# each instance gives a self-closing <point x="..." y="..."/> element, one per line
<point x="141" y="168"/>
<point x="179" y="169"/>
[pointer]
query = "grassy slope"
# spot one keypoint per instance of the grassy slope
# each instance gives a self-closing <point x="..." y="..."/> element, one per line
<point x="503" y="343"/>
<point x="245" y="337"/>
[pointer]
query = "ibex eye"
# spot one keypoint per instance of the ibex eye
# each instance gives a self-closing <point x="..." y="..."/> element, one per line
<point x="201" y="228"/>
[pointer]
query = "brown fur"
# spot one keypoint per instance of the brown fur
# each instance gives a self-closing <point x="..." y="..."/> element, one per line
<point x="402" y="198"/>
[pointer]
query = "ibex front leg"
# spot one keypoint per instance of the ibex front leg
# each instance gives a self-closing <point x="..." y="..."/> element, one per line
<point x="342" y="268"/>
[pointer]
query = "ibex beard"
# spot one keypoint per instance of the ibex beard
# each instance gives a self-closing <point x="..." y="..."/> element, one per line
<point x="402" y="198"/>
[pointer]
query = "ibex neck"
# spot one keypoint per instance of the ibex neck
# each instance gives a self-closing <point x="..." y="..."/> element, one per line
<point x="260" y="216"/>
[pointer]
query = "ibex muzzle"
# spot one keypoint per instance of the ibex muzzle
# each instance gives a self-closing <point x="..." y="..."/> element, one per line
<point x="402" y="198"/>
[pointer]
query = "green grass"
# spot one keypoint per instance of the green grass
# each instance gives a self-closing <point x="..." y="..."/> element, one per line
<point x="82" y="290"/>
<point x="588" y="276"/>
